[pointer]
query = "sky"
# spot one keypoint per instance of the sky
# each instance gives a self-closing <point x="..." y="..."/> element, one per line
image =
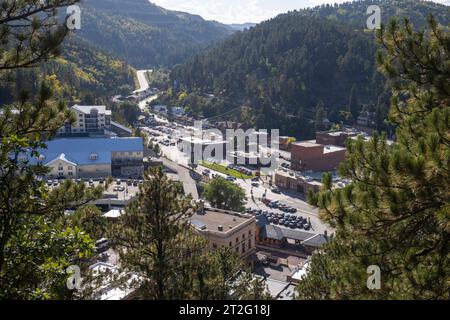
<point x="241" y="11"/>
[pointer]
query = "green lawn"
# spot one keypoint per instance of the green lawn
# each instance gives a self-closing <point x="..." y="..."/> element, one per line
<point x="222" y="169"/>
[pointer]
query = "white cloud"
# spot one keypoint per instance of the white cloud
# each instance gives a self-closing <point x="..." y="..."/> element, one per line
<point x="240" y="11"/>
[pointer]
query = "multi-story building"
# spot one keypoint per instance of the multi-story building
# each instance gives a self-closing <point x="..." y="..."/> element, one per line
<point x="93" y="158"/>
<point x="227" y="229"/>
<point x="204" y="149"/>
<point x="90" y="121"/>
<point x="334" y="138"/>
<point x="296" y="182"/>
<point x="312" y="156"/>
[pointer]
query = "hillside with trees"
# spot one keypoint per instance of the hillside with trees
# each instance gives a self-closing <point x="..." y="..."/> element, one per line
<point x="395" y="214"/>
<point x="146" y="35"/>
<point x="81" y="74"/>
<point x="276" y="74"/>
<point x="354" y="13"/>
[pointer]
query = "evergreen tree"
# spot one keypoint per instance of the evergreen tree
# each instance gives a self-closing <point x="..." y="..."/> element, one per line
<point x="396" y="213"/>
<point x="157" y="243"/>
<point x="35" y="246"/>
<point x="320" y="116"/>
<point x="154" y="240"/>
<point x="353" y="105"/>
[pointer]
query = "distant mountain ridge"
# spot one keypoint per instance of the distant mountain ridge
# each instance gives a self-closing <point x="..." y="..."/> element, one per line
<point x="144" y="34"/>
<point x="242" y="26"/>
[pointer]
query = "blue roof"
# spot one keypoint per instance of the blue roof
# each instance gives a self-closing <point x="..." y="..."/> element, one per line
<point x="79" y="150"/>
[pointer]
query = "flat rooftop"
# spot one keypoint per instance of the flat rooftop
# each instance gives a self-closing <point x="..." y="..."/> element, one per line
<point x="211" y="220"/>
<point x="331" y="149"/>
<point x="88" y="109"/>
<point x="314" y="144"/>
<point x="307" y="144"/>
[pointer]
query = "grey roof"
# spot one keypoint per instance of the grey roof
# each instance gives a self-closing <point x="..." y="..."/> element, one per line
<point x="296" y="234"/>
<point x="272" y="232"/>
<point x="275" y="232"/>
<point x="316" y="240"/>
<point x="122" y="127"/>
<point x="88" y="109"/>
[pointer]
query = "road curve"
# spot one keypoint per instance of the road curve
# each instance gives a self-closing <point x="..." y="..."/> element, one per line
<point x="142" y="79"/>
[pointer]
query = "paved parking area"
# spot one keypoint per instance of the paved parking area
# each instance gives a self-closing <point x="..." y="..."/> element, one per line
<point x="123" y="190"/>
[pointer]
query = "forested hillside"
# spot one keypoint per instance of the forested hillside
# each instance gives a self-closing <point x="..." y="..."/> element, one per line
<point x="115" y="35"/>
<point x="293" y="71"/>
<point x="145" y="35"/>
<point x="81" y="74"/>
<point x="354" y="12"/>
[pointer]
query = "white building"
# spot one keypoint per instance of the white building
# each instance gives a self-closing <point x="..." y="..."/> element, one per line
<point x="90" y="121"/>
<point x="75" y="158"/>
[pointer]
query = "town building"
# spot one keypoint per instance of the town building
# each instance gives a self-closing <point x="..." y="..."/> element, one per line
<point x="283" y="238"/>
<point x="160" y="108"/>
<point x="227" y="229"/>
<point x="296" y="182"/>
<point x="203" y="149"/>
<point x="285" y="143"/>
<point x="313" y="156"/>
<point x="121" y="130"/>
<point x="93" y="158"/>
<point x="334" y="138"/>
<point x="89" y="121"/>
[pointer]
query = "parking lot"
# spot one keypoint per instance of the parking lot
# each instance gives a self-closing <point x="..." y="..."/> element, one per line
<point x="283" y="219"/>
<point x="118" y="189"/>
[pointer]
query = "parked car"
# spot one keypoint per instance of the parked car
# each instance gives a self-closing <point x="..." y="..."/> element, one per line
<point x="102" y="245"/>
<point x="277" y="191"/>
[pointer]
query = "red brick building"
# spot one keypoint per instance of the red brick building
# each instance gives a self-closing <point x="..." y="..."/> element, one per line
<point x="312" y="156"/>
<point x="334" y="138"/>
